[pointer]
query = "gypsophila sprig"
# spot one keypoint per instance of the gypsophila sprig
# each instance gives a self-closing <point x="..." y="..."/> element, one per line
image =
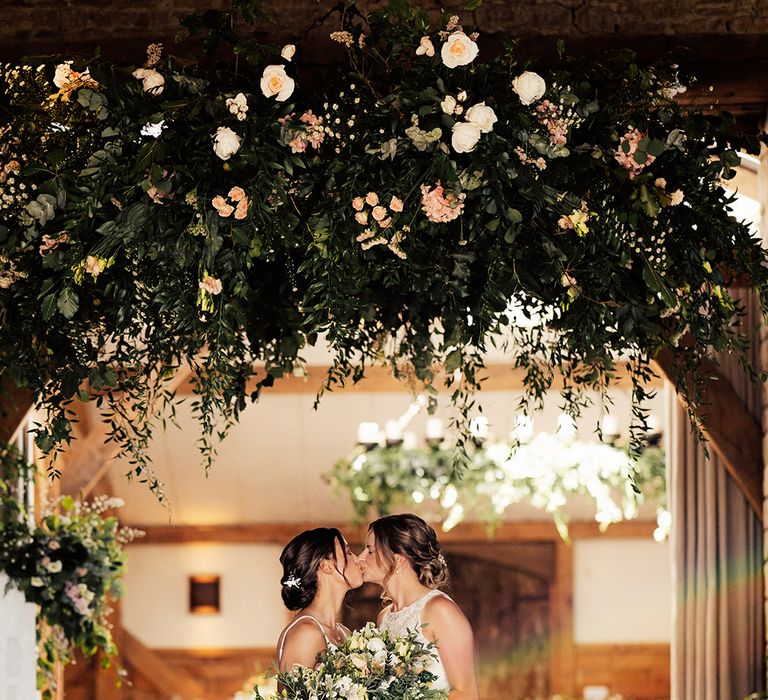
<point x="369" y="664"/>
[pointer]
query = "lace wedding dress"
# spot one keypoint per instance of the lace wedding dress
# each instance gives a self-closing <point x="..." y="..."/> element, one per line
<point x="400" y="622"/>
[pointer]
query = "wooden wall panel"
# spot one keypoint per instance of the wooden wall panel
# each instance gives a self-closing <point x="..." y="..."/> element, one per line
<point x="637" y="671"/>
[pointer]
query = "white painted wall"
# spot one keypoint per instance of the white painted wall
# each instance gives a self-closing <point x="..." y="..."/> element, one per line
<point x="155" y="607"/>
<point x="18" y="646"/>
<point x="622" y="591"/>
<point x="621" y="594"/>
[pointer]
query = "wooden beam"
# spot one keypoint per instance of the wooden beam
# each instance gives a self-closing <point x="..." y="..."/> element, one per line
<point x="149" y="664"/>
<point x="282" y="533"/>
<point x="562" y="654"/>
<point x="730" y="428"/>
<point x="496" y="377"/>
<point x="89" y="457"/>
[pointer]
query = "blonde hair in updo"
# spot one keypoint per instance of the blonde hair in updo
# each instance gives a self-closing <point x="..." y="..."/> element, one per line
<point x="414" y="539"/>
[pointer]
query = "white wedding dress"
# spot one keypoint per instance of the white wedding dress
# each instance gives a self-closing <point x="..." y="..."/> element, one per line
<point x="408" y="619"/>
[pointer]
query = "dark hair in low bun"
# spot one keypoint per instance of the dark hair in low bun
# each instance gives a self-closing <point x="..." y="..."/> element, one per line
<point x="301" y="558"/>
<point x="414" y="539"/>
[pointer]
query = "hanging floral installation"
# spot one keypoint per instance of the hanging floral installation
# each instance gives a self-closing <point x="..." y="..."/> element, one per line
<point x="69" y="564"/>
<point x="427" y="202"/>
<point x="545" y="473"/>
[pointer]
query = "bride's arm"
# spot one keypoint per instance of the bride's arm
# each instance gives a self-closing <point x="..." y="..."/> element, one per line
<point x="302" y="645"/>
<point x="451" y="631"/>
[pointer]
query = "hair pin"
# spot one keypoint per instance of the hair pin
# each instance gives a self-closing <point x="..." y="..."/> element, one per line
<point x="292" y="582"/>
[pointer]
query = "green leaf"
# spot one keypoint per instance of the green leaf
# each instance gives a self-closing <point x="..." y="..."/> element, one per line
<point x="514" y="216"/>
<point x="656" y="282"/>
<point x="49" y="307"/>
<point x="68" y="302"/>
<point x="453" y="361"/>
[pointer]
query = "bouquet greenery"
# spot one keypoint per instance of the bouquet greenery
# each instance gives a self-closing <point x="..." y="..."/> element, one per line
<point x="370" y="664"/>
<point x="69" y="564"/>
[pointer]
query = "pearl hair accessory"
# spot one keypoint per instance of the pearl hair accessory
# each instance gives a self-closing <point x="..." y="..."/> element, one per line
<point x="292" y="582"/>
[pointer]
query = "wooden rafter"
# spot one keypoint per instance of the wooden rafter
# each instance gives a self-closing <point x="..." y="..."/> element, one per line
<point x="89" y="458"/>
<point x="281" y="533"/>
<point x="730" y="428"/>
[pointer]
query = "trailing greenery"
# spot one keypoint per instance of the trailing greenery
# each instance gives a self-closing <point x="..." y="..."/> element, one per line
<point x="416" y="209"/>
<point x="545" y="473"/>
<point x="69" y="565"/>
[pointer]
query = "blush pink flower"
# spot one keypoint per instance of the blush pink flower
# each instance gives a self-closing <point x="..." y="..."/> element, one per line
<point x="361" y="217"/>
<point x="241" y="210"/>
<point x="396" y="204"/>
<point x="372" y="199"/>
<point x="358" y="203"/>
<point x="440" y="207"/>
<point x="627" y="150"/>
<point x="223" y="207"/>
<point x="236" y="194"/>
<point x="212" y="285"/>
<point x="379" y="213"/>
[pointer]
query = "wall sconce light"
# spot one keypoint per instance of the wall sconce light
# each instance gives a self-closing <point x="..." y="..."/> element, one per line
<point x="204" y="594"/>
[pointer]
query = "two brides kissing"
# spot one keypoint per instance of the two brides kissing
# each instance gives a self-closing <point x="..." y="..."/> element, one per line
<point x="402" y="556"/>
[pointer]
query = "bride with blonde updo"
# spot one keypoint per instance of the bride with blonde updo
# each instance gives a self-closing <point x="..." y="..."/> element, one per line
<point x="403" y="556"/>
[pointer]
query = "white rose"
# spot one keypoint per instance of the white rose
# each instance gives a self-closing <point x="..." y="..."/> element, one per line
<point x="482" y="117"/>
<point x="54" y="567"/>
<point x="288" y="52"/>
<point x="37" y="582"/>
<point x="462" y="96"/>
<point x="448" y="104"/>
<point x="151" y="80"/>
<point x="676" y="198"/>
<point x="529" y="87"/>
<point x="426" y="47"/>
<point x="238" y="105"/>
<point x="275" y="82"/>
<point x="458" y="50"/>
<point x="375" y="645"/>
<point x="465" y="137"/>
<point x="225" y="142"/>
<point x="63" y="74"/>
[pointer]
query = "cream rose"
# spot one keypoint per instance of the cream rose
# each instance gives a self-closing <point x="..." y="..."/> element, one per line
<point x="275" y="82"/>
<point x="676" y="198"/>
<point x="238" y="105"/>
<point x="396" y="204"/>
<point x="482" y="117"/>
<point x="225" y="143"/>
<point x="458" y="50"/>
<point x="151" y="80"/>
<point x="529" y="87"/>
<point x="448" y="104"/>
<point x="288" y="52"/>
<point x="426" y="47"/>
<point x="465" y="137"/>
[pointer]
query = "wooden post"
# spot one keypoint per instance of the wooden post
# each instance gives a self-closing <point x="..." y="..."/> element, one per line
<point x="562" y="649"/>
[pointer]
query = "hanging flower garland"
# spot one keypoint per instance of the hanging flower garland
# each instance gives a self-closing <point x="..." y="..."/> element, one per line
<point x="420" y="207"/>
<point x="546" y="473"/>
<point x="69" y="564"/>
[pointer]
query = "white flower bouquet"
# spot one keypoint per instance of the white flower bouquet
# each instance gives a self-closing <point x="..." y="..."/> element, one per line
<point x="368" y="665"/>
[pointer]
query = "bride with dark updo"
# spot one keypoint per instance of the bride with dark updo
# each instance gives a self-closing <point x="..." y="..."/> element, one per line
<point x="318" y="571"/>
<point x="403" y="556"/>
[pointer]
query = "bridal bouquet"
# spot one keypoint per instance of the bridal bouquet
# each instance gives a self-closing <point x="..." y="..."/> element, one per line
<point x="369" y="664"/>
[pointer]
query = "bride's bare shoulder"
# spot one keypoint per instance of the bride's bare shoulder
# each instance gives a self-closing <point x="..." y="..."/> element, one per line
<point x="300" y="641"/>
<point x="381" y="615"/>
